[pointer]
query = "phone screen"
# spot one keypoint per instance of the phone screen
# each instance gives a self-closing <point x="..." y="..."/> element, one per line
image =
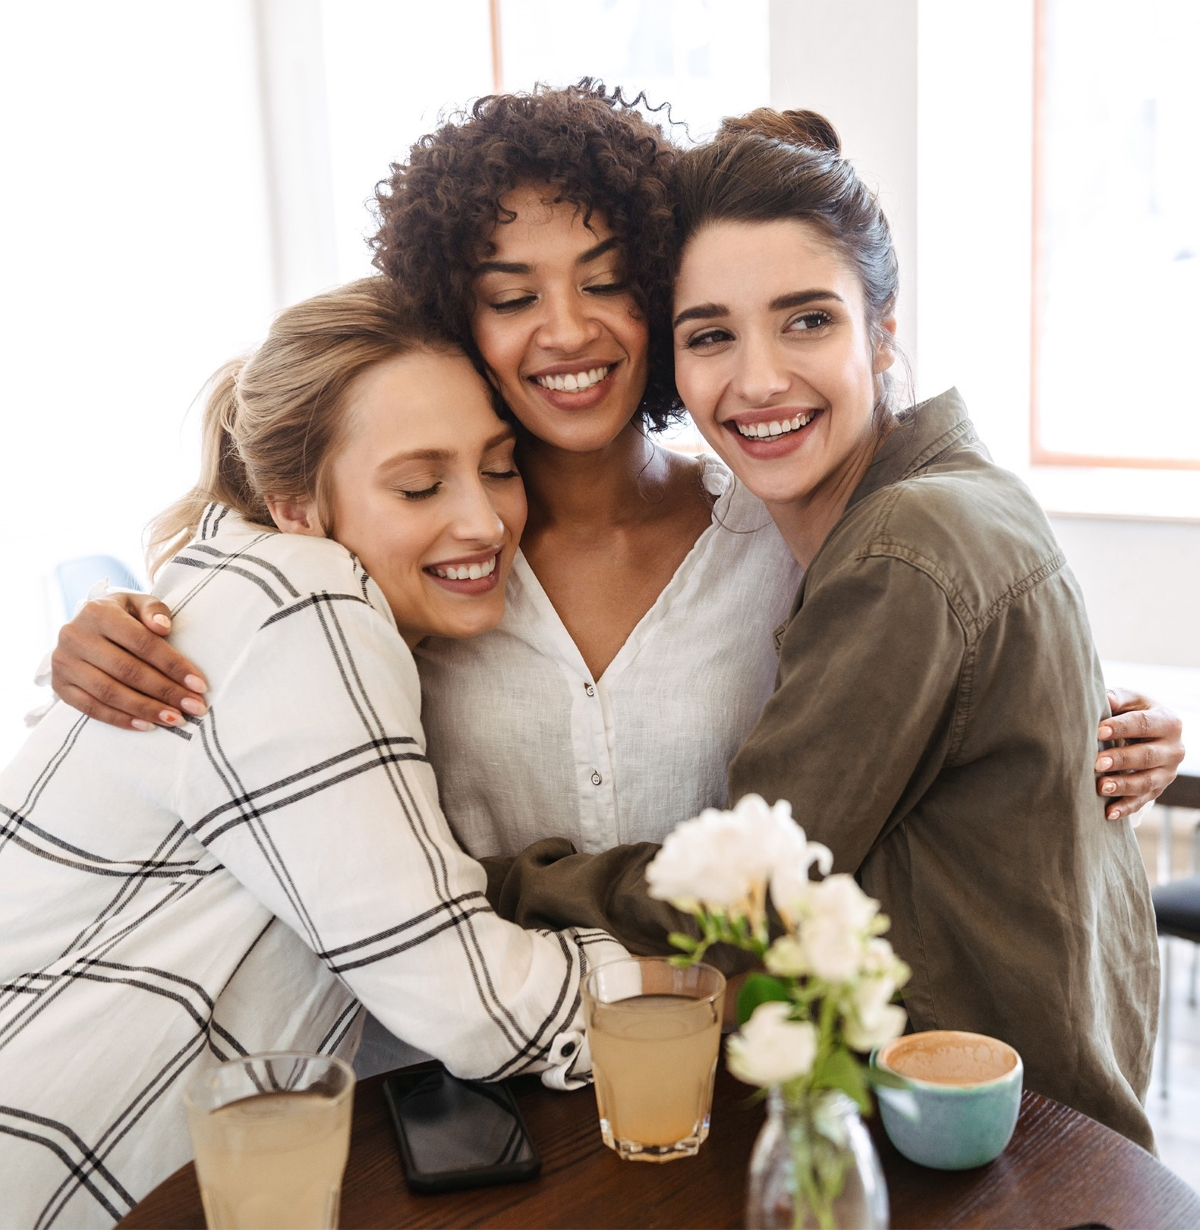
<point x="452" y="1128"/>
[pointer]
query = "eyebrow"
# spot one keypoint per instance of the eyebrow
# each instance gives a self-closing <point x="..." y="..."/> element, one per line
<point x="710" y="311"/>
<point x="444" y="454"/>
<point x="520" y="267"/>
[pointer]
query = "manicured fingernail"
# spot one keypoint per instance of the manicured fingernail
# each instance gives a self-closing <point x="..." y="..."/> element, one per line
<point x="168" y="718"/>
<point x="1105" y="732"/>
<point x="163" y="621"/>
<point x="194" y="683"/>
<point x="138" y="724"/>
<point x="1115" y="814"/>
<point x="197" y="708"/>
<point x="1105" y="762"/>
<point x="1110" y="787"/>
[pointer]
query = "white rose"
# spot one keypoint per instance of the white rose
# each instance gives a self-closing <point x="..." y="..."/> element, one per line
<point x="706" y="860"/>
<point x="771" y="1049"/>
<point x="790" y="881"/>
<point x="870" y="997"/>
<point x="839" y="899"/>
<point x="785" y="958"/>
<point x="831" y="951"/>
<point x="723" y="859"/>
<point x="891" y="1022"/>
<point x="880" y="960"/>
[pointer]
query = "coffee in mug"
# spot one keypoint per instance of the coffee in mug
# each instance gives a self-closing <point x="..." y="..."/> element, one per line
<point x="962" y="1098"/>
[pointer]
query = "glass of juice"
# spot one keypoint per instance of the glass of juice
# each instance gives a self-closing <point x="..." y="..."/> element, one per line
<point x="654" y="1032"/>
<point x="271" y="1134"/>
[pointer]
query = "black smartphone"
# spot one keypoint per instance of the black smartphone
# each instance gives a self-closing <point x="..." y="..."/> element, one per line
<point x="454" y="1133"/>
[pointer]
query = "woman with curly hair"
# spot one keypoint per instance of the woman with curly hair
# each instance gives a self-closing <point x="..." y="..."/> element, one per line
<point x="636" y="649"/>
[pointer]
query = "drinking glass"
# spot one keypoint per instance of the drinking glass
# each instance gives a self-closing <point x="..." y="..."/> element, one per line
<point x="654" y="1032"/>
<point x="271" y="1134"/>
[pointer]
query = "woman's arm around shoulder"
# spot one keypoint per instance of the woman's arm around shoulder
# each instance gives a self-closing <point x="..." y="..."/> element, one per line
<point x="308" y="780"/>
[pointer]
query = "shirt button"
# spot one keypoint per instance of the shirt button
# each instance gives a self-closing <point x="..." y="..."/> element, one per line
<point x="596" y="778"/>
<point x="568" y="1050"/>
<point x="591" y="691"/>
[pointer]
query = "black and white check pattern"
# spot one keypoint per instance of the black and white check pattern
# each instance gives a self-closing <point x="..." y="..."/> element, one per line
<point x="179" y="897"/>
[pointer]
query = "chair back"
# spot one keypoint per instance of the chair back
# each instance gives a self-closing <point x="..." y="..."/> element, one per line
<point x="77" y="576"/>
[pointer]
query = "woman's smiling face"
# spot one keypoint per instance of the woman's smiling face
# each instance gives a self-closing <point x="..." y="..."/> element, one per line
<point x="774" y="358"/>
<point x="557" y="323"/>
<point x="424" y="492"/>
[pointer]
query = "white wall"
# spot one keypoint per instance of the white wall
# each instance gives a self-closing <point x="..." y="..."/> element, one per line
<point x="134" y="260"/>
<point x="1141" y="582"/>
<point x="974" y="228"/>
<point x="855" y="61"/>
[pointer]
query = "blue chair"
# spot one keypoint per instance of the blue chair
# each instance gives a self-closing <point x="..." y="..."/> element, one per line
<point x="77" y="576"/>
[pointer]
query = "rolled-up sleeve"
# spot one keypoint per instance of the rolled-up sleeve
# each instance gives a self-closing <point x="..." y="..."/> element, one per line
<point x="308" y="780"/>
<point x="863" y="715"/>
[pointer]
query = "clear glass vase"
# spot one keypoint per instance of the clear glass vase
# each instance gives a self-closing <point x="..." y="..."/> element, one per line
<point x="814" y="1165"/>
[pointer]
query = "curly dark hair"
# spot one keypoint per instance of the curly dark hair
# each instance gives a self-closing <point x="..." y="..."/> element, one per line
<point x="593" y="147"/>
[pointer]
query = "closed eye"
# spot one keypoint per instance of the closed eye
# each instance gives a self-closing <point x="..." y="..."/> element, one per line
<point x="422" y="493"/>
<point x="501" y="474"/>
<point x="512" y="305"/>
<point x="608" y="288"/>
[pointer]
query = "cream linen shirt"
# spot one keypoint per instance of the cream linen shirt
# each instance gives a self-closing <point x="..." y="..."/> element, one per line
<point x="526" y="744"/>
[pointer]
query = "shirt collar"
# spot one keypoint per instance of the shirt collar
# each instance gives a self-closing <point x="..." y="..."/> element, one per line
<point x="921" y="434"/>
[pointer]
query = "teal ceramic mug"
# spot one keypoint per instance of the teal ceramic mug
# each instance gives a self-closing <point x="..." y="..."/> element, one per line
<point x="962" y="1098"/>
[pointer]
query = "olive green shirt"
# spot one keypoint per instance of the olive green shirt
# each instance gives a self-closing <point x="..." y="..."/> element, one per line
<point x="934" y="724"/>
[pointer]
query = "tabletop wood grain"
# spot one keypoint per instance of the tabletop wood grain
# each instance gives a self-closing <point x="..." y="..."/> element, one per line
<point x="1060" y="1170"/>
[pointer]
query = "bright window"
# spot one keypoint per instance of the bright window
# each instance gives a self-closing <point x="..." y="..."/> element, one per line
<point x="1117" y="235"/>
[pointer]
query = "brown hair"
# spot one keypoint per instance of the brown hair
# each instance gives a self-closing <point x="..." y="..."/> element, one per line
<point x="592" y="147"/>
<point x="771" y="164"/>
<point x="274" y="419"/>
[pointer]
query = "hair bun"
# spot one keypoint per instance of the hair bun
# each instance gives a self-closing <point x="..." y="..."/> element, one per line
<point x="805" y="128"/>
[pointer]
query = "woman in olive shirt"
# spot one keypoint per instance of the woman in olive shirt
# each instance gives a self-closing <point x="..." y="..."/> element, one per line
<point x="938" y="692"/>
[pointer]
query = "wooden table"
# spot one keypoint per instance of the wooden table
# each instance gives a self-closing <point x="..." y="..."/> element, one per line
<point x="1060" y="1170"/>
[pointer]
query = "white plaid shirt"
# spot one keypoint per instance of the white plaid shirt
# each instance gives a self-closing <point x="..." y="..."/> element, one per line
<point x="183" y="896"/>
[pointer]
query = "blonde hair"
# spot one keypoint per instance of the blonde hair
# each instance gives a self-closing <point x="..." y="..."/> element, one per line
<point x="274" y="419"/>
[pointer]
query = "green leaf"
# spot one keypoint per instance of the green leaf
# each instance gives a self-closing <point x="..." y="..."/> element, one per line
<point x="759" y="989"/>
<point x="840" y="1070"/>
<point x="679" y="940"/>
<point x="880" y="1078"/>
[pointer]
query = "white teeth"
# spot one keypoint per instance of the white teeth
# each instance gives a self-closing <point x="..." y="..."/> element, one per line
<point x="574" y="382"/>
<point x="467" y="572"/>
<point x="757" y="431"/>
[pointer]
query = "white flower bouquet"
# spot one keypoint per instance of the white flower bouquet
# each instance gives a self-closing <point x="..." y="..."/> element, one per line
<point x="829" y="980"/>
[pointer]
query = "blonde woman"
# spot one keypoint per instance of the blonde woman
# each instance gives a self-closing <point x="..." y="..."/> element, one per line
<point x="244" y="881"/>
